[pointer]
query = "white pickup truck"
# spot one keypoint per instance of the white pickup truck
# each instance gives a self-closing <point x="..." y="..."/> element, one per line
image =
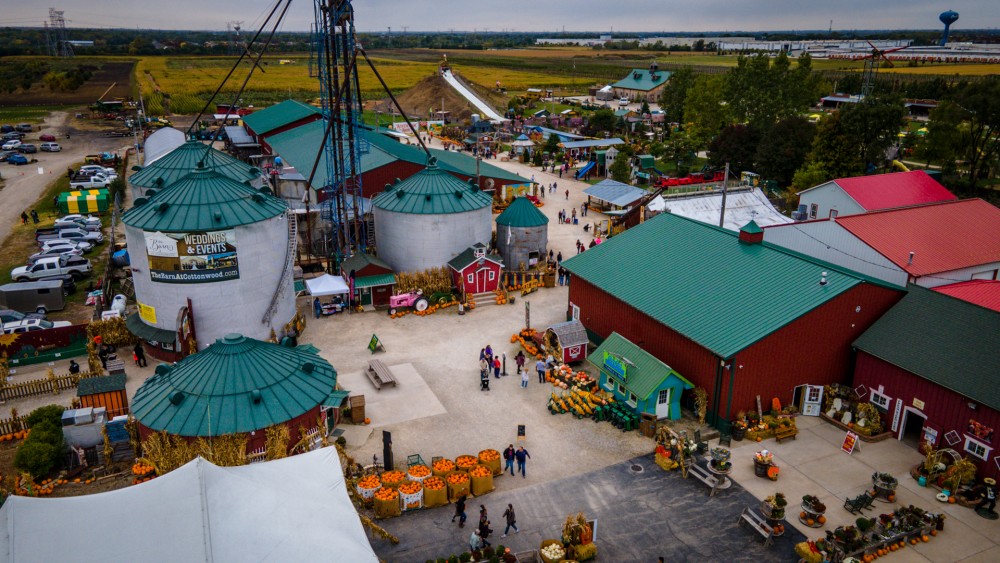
<point x="95" y="181"/>
<point x="75" y="234"/>
<point x="76" y="266"/>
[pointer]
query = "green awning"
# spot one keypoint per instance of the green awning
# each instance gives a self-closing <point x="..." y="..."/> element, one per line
<point x="336" y="398"/>
<point x="308" y="348"/>
<point x="300" y="285"/>
<point x="148" y="333"/>
<point x="376" y="280"/>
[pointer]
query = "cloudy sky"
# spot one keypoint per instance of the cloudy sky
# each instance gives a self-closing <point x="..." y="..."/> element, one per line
<point x="518" y="15"/>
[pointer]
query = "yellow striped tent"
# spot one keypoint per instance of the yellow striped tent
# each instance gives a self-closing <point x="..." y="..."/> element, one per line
<point x="84" y="201"/>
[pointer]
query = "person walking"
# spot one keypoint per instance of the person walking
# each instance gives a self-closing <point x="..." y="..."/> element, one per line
<point x="511" y="520"/>
<point x="34" y="216"/>
<point x="521" y="456"/>
<point x="567" y="194"/>
<point x="562" y="275"/>
<point x="460" y="511"/>
<point x="540" y="368"/>
<point x="140" y="355"/>
<point x="559" y="257"/>
<point x="484" y="533"/>
<point x="475" y="542"/>
<point x="496" y="367"/>
<point x="483" y="518"/>
<point x="24" y="218"/>
<point x="519" y="359"/>
<point x="508" y="456"/>
<point x="524" y="378"/>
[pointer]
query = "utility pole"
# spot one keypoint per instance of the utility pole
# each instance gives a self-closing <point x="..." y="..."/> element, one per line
<point x="725" y="181"/>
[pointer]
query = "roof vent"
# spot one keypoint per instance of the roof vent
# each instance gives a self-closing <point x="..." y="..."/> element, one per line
<point x="158" y="181"/>
<point x="400" y="193"/>
<point x="266" y="191"/>
<point x="388" y="187"/>
<point x="308" y="367"/>
<point x="458" y="194"/>
<point x="176" y="398"/>
<point x="259" y="198"/>
<point x="822" y="279"/>
<point x="162" y="369"/>
<point x="396" y="181"/>
<point x="427" y="197"/>
<point x="432" y="162"/>
<point x="139" y="201"/>
<point x="163" y="206"/>
<point x="218" y="216"/>
<point x="255" y="396"/>
<point x="200" y="165"/>
<point x="136" y="168"/>
<point x="255" y="171"/>
<point x="150" y="193"/>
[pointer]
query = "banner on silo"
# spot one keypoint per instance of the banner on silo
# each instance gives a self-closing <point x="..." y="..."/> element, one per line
<point x="197" y="257"/>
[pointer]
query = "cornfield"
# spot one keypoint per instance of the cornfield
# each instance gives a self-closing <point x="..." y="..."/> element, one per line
<point x="430" y="281"/>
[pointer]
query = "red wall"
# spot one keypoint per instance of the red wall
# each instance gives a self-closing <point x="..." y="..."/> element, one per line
<point x="373" y="182"/>
<point x="815" y="348"/>
<point x="945" y="410"/>
<point x="461" y="279"/>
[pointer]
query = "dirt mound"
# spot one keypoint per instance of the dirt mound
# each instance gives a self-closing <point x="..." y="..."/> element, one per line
<point x="432" y="94"/>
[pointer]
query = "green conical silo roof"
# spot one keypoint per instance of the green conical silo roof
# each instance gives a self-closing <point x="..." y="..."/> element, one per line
<point x="204" y="200"/>
<point x="237" y="384"/>
<point x="181" y="161"/>
<point x="432" y="192"/>
<point x="522" y="213"/>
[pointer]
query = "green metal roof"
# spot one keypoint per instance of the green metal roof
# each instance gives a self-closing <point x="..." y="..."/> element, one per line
<point x="642" y="79"/>
<point x="522" y="213"/>
<point x="204" y="200"/>
<point x="300" y="285"/>
<point x="468" y="256"/>
<point x="432" y="191"/>
<point x="752" y="228"/>
<point x="644" y="374"/>
<point x="360" y="260"/>
<point x="148" y="333"/>
<point x="945" y="340"/>
<point x="278" y="115"/>
<point x="336" y="398"/>
<point x="102" y="384"/>
<point x="181" y="161"/>
<point x="376" y="280"/>
<point x="237" y="384"/>
<point x="450" y="161"/>
<point x="699" y="280"/>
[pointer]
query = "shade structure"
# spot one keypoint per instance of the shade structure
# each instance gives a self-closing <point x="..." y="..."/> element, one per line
<point x="84" y="201"/>
<point x="292" y="509"/>
<point x="327" y="285"/>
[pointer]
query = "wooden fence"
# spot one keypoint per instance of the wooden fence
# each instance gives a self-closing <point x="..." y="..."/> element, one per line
<point x="44" y="386"/>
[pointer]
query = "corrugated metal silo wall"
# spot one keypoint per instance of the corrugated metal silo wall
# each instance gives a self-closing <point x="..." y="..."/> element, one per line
<point x="523" y="240"/>
<point x="412" y="242"/>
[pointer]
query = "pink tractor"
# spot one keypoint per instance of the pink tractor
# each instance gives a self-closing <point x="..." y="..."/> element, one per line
<point x="413" y="299"/>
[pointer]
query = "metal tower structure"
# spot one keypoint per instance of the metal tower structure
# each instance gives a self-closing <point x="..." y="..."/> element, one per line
<point x="55" y="34"/>
<point x="336" y="64"/>
<point x="872" y="61"/>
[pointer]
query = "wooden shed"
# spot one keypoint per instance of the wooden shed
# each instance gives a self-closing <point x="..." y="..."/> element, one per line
<point x="106" y="391"/>
<point x="474" y="271"/>
<point x="569" y="341"/>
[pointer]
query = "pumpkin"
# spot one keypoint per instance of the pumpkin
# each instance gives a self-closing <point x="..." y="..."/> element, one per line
<point x="821" y="519"/>
<point x="951" y="500"/>
<point x="933" y="532"/>
<point x="810" y="522"/>
<point x="368" y="420"/>
<point x="925" y="538"/>
<point x="803" y="515"/>
<point x="891" y="498"/>
<point x="759" y="438"/>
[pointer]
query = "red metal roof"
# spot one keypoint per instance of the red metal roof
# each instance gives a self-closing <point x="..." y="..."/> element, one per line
<point x="943" y="236"/>
<point x="985" y="293"/>
<point x="898" y="189"/>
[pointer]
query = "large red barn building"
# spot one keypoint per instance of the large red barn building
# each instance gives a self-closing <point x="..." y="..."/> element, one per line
<point x="733" y="314"/>
<point x="930" y="366"/>
<point x="277" y="119"/>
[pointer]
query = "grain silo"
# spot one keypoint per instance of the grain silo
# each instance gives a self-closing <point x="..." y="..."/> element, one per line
<point x="522" y="234"/>
<point x="428" y="219"/>
<point x="167" y="168"/>
<point x="213" y="251"/>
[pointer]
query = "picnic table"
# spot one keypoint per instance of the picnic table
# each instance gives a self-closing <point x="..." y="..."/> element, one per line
<point x="380" y="374"/>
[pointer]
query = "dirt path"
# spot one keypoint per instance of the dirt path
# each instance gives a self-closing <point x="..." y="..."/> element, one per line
<point x="23" y="185"/>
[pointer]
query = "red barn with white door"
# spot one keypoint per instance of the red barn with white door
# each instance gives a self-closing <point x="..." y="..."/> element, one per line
<point x="475" y="271"/>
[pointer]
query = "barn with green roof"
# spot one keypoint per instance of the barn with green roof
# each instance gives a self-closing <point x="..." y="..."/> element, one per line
<point x="736" y="315"/>
<point x="522" y="234"/>
<point x="210" y="255"/>
<point x="238" y="385"/>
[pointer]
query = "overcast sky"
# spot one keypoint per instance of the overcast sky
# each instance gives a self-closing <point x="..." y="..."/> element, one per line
<point x="518" y="15"/>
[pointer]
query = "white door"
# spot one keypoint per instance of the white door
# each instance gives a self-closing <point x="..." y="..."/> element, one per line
<point x="812" y="400"/>
<point x="481" y="280"/>
<point x="663" y="404"/>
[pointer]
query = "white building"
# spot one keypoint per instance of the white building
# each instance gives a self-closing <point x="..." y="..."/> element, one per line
<point x="861" y="194"/>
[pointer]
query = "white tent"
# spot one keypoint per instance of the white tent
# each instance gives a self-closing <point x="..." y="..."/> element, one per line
<point x="327" y="285"/>
<point x="292" y="509"/>
<point x="160" y="143"/>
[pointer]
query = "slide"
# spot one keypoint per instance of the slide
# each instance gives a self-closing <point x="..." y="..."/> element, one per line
<point x="485" y="110"/>
<point x="583" y="171"/>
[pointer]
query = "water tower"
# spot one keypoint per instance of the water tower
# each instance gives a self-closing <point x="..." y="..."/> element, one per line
<point x="947" y="18"/>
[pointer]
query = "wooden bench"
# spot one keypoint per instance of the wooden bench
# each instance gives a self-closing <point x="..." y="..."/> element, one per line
<point x="380" y="374"/>
<point x="115" y="367"/>
<point x="785" y="433"/>
<point x="758" y="523"/>
<point x="702" y="474"/>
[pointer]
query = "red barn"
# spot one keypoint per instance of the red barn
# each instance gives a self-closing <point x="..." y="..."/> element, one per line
<point x="736" y="315"/>
<point x="373" y="279"/>
<point x="277" y="119"/>
<point x="930" y="365"/>
<point x="474" y="271"/>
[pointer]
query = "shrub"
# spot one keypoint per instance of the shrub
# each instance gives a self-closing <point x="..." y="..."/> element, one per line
<point x="36" y="458"/>
<point x="341" y="441"/>
<point x="47" y="433"/>
<point x="51" y="413"/>
<point x="465" y="557"/>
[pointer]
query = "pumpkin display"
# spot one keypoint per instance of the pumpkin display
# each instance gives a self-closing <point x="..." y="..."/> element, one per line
<point x="491" y="459"/>
<point x="418" y="472"/>
<point x="387" y="503"/>
<point x="442" y="467"/>
<point x="458" y="484"/>
<point x="466" y="462"/>
<point x="392" y="478"/>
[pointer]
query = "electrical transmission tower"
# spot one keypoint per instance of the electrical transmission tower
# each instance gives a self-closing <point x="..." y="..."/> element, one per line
<point x="55" y="35"/>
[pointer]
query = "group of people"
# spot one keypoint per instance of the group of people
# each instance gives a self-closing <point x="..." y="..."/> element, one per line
<point x="568" y="220"/>
<point x="489" y="363"/>
<point x="34" y="217"/>
<point x="480" y="536"/>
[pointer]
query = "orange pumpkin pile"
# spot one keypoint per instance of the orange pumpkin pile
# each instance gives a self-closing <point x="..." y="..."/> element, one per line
<point x="419" y="471"/>
<point x="141" y="469"/>
<point x="466" y="462"/>
<point x="489" y="455"/>
<point x="385" y="493"/>
<point x="393" y="476"/>
<point x="444" y="465"/>
<point x="433" y="484"/>
<point x="20" y="435"/>
<point x="410" y="488"/>
<point x="481" y="471"/>
<point x="370" y="482"/>
<point x="458" y="478"/>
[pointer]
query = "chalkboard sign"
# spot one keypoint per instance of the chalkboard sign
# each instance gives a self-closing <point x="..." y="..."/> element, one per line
<point x="375" y="344"/>
<point x="520" y="433"/>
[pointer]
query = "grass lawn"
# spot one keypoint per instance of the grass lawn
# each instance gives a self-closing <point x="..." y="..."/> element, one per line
<point x="27" y="114"/>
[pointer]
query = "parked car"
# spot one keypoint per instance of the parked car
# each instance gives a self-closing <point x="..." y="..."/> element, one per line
<point x="61" y="251"/>
<point x="10" y="315"/>
<point x="12" y="135"/>
<point x="4" y="155"/>
<point x="98" y="169"/>
<point x="37" y="297"/>
<point x="76" y="266"/>
<point x="31" y="325"/>
<point x="623" y="102"/>
<point x="46" y="137"/>
<point x="81" y="218"/>
<point x="68" y="234"/>
<point x="27" y="148"/>
<point x="24" y="128"/>
<point x="49" y="147"/>
<point x="6" y="128"/>
<point x="56" y="244"/>
<point x="65" y="223"/>
<point x="11" y="145"/>
<point x="17" y="159"/>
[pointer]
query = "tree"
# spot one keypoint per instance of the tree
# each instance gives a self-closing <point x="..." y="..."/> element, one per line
<point x="552" y="144"/>
<point x="602" y="120"/>
<point x="873" y="124"/>
<point x="620" y="169"/>
<point x="674" y="96"/>
<point x="706" y="109"/>
<point x="735" y="144"/>
<point x="977" y="105"/>
<point x="644" y="109"/>
<point x="762" y="90"/>
<point x="679" y="148"/>
<point x="783" y="149"/>
<point x="36" y="458"/>
<point x="945" y="137"/>
<point x="834" y="154"/>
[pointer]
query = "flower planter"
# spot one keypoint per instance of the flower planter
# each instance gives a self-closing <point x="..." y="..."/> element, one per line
<point x="739" y="434"/>
<point x="760" y="469"/>
<point x="812" y="515"/>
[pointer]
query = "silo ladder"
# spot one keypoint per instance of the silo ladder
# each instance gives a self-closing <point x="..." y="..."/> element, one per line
<point x="293" y="237"/>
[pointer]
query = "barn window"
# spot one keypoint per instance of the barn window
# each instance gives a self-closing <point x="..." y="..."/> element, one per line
<point x="977" y="448"/>
<point x="813" y="210"/>
<point x="879" y="400"/>
<point x="492" y="275"/>
<point x="632" y="399"/>
<point x="621" y="389"/>
<point x="472" y="278"/>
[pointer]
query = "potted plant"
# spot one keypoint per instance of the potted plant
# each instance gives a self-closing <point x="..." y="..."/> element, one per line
<point x="739" y="426"/>
<point x="720" y="460"/>
<point x="762" y="460"/>
<point x="813" y="510"/>
<point x="885" y="486"/>
<point x="773" y="507"/>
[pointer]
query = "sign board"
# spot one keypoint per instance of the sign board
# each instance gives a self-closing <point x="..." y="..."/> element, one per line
<point x="197" y="257"/>
<point x="375" y="344"/>
<point x="520" y="433"/>
<point x="918" y="404"/>
<point x="616" y="366"/>
<point x="850" y="442"/>
<point x="147" y="313"/>
<point x="896" y="413"/>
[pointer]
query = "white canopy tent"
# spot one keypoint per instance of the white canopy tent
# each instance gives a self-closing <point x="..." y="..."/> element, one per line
<point x="327" y="285"/>
<point x="292" y="509"/>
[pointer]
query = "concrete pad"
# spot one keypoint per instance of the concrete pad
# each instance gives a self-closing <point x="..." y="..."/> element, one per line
<point x="842" y="479"/>
<point x="990" y="555"/>
<point x="955" y="543"/>
<point x="410" y="399"/>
